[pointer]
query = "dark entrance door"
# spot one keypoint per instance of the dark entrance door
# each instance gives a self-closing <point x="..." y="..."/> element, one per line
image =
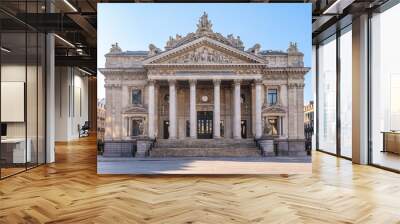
<point x="166" y="129"/>
<point x="204" y="124"/>
<point x="243" y="127"/>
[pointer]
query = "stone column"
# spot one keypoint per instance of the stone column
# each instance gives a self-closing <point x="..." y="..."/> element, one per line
<point x="124" y="127"/>
<point x="236" y="110"/>
<point x="300" y="111"/>
<point x="108" y="113"/>
<point x="258" y="105"/>
<point x="284" y="102"/>
<point x="193" y="112"/>
<point x="129" y="126"/>
<point x="292" y="129"/>
<point x="217" y="108"/>
<point x="283" y="95"/>
<point x="151" y="109"/>
<point x="125" y="96"/>
<point x="172" y="109"/>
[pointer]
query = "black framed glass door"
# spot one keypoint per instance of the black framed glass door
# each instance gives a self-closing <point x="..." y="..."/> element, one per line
<point x="204" y="124"/>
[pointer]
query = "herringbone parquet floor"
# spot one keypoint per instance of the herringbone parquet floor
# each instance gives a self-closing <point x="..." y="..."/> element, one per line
<point x="70" y="191"/>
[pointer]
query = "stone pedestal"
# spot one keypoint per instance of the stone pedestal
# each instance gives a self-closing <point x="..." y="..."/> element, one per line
<point x="291" y="147"/>
<point x="142" y="146"/>
<point x="267" y="145"/>
<point x="119" y="148"/>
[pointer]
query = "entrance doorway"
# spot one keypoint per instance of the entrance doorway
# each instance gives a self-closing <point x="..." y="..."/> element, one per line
<point x="166" y="129"/>
<point x="204" y="124"/>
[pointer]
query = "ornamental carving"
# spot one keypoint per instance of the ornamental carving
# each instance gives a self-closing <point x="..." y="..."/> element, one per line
<point x="275" y="109"/>
<point x="204" y="24"/>
<point x="204" y="55"/>
<point x="204" y="28"/>
<point x="134" y="110"/>
<point x="115" y="48"/>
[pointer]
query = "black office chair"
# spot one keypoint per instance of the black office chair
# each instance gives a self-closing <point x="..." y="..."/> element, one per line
<point x="84" y="130"/>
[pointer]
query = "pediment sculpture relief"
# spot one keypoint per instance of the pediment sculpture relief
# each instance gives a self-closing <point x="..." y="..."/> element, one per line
<point x="135" y="109"/>
<point x="275" y="109"/>
<point x="204" y="55"/>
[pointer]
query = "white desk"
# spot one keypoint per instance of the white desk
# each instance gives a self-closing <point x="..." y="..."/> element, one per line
<point x="19" y="154"/>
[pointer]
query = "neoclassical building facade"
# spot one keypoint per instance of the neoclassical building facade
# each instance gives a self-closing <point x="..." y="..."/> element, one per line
<point x="204" y="86"/>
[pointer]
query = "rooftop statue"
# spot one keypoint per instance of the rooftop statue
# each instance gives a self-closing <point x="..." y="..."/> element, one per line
<point x="292" y="48"/>
<point x="204" y="24"/>
<point x="153" y="50"/>
<point x="115" y="48"/>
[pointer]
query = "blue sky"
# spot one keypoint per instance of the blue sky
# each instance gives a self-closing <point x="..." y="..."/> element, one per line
<point x="135" y="26"/>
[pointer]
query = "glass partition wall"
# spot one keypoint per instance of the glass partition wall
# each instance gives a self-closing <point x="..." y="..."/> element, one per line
<point x="22" y="107"/>
<point x="327" y="95"/>
<point x="334" y="86"/>
<point x="345" y="61"/>
<point x="385" y="89"/>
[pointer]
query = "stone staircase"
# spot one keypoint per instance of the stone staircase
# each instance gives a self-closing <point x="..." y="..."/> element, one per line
<point x="205" y="148"/>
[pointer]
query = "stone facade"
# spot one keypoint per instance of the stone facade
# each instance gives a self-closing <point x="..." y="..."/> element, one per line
<point x="202" y="81"/>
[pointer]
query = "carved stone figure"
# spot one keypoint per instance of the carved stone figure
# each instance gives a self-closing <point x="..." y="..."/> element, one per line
<point x="153" y="50"/>
<point x="115" y="48"/>
<point x="204" y="24"/>
<point x="255" y="49"/>
<point x="292" y="48"/>
<point x="141" y="127"/>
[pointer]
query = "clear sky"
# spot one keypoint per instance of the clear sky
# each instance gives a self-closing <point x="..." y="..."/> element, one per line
<point x="134" y="26"/>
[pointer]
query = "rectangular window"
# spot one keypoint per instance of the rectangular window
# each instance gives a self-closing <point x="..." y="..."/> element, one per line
<point x="272" y="96"/>
<point x="136" y="96"/>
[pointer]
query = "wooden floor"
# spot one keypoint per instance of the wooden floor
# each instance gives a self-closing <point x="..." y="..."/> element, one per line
<point x="70" y="191"/>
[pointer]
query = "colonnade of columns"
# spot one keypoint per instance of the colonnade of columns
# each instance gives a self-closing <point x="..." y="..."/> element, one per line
<point x="193" y="111"/>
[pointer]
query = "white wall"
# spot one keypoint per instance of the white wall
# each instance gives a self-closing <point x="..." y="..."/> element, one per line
<point x="71" y="102"/>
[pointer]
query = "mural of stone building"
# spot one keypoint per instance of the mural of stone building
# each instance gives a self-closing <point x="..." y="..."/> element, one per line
<point x="204" y="86"/>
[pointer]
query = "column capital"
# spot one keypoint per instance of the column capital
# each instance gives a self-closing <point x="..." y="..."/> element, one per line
<point x="237" y="81"/>
<point x="192" y="81"/>
<point x="217" y="81"/>
<point x="151" y="81"/>
<point x="172" y="81"/>
<point x="258" y="81"/>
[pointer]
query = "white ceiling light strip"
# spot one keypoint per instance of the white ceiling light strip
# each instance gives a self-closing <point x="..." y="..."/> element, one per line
<point x="70" y="5"/>
<point x="65" y="41"/>
<point x="5" y="50"/>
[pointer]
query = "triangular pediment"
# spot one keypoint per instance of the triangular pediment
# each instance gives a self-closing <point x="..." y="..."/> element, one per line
<point x="204" y="51"/>
<point x="275" y="109"/>
<point x="134" y="109"/>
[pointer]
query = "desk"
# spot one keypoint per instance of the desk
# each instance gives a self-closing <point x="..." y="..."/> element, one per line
<point x="13" y="150"/>
<point x="391" y="141"/>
